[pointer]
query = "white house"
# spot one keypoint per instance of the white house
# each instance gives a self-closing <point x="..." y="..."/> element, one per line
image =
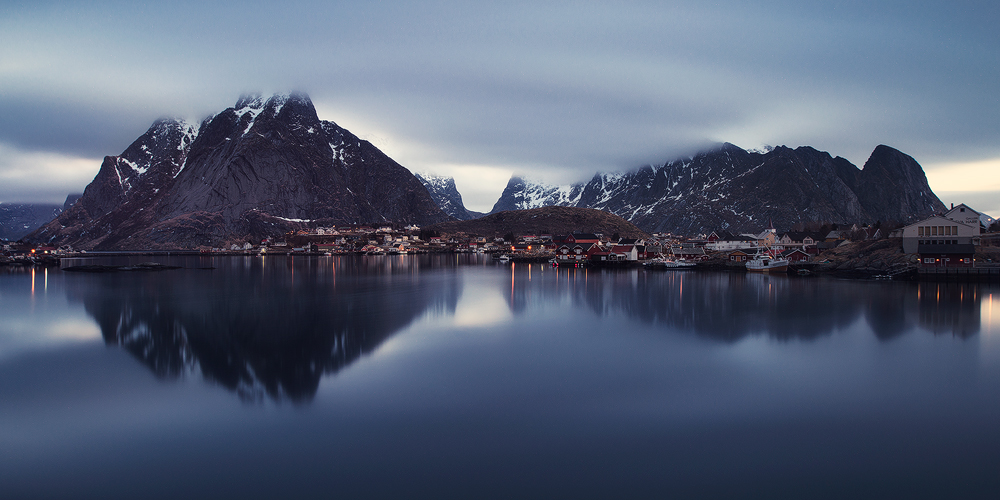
<point x="965" y="215"/>
<point x="940" y="230"/>
<point x="728" y="242"/>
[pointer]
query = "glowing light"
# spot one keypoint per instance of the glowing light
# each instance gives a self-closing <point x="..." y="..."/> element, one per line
<point x="989" y="315"/>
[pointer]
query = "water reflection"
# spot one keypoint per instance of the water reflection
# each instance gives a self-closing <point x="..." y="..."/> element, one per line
<point x="730" y="306"/>
<point x="262" y="328"/>
<point x="271" y="328"/>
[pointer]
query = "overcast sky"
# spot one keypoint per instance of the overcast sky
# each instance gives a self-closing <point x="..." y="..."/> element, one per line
<point x="477" y="90"/>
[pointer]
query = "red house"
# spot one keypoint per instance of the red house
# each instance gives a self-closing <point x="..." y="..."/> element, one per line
<point x="795" y="255"/>
<point x="738" y="256"/>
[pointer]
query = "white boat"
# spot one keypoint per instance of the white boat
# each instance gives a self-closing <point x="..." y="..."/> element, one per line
<point x="764" y="263"/>
<point x="667" y="264"/>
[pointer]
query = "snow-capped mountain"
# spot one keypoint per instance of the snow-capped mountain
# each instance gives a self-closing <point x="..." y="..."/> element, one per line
<point x="524" y="194"/>
<point x="444" y="192"/>
<point x="738" y="190"/>
<point x="260" y="168"/>
<point x="19" y="219"/>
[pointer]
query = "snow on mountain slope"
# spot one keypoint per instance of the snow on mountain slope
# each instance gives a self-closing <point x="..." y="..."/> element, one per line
<point x="444" y="192"/>
<point x="251" y="171"/>
<point x="525" y="194"/>
<point x="734" y="189"/>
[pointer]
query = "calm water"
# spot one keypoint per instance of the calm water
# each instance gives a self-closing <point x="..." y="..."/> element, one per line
<point x="435" y="377"/>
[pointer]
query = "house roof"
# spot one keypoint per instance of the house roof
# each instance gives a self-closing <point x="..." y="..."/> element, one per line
<point x="801" y="235"/>
<point x="727" y="236"/>
<point x="790" y="251"/>
<point x="961" y="206"/>
<point x="941" y="218"/>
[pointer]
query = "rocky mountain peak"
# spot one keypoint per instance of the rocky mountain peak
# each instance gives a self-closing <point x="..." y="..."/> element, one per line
<point x="726" y="187"/>
<point x="894" y="187"/>
<point x="260" y="168"/>
<point x="892" y="163"/>
<point x="250" y="101"/>
<point x="445" y="193"/>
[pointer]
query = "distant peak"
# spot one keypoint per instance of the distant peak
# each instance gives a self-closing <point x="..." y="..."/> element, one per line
<point x="882" y="148"/>
<point x="168" y="123"/>
<point x="257" y="101"/>
<point x="250" y="101"/>
<point x="293" y="107"/>
<point x="883" y="156"/>
<point x="766" y="148"/>
<point x="433" y="177"/>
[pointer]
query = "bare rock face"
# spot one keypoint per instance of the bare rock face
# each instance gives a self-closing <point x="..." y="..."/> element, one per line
<point x="737" y="190"/>
<point x="444" y="192"/>
<point x="258" y="169"/>
<point x="892" y="186"/>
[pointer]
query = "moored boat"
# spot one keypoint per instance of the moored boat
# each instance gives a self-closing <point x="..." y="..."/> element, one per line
<point x="668" y="264"/>
<point x="765" y="263"/>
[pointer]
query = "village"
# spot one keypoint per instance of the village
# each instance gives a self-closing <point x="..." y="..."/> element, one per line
<point x="943" y="242"/>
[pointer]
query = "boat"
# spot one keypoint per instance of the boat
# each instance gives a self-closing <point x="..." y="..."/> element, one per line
<point x="668" y="264"/>
<point x="764" y="263"/>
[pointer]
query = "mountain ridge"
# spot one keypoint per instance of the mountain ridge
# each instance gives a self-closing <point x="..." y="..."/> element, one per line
<point x="445" y="193"/>
<point x="734" y="189"/>
<point x="255" y="170"/>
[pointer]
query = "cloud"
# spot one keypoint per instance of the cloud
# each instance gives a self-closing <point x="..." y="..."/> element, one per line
<point x="32" y="176"/>
<point x="560" y="89"/>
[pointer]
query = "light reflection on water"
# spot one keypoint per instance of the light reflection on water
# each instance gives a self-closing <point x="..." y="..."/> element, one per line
<point x="990" y="314"/>
<point x="445" y="378"/>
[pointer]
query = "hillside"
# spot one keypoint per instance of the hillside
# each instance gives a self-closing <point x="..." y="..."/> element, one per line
<point x="545" y="220"/>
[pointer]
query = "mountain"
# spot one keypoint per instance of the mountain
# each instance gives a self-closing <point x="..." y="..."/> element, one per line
<point x="445" y="194"/>
<point x="258" y="169"/>
<point x="544" y="220"/>
<point x="737" y="190"/>
<point x="19" y="219"/>
<point x="522" y="194"/>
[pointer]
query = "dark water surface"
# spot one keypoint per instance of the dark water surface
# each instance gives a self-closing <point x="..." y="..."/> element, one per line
<point x="445" y="376"/>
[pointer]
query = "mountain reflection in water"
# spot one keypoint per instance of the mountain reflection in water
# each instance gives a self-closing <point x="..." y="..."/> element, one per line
<point x="272" y="328"/>
<point x="262" y="330"/>
<point x="730" y="306"/>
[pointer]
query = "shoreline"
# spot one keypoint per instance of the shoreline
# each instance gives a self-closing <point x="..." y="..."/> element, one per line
<point x="864" y="260"/>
